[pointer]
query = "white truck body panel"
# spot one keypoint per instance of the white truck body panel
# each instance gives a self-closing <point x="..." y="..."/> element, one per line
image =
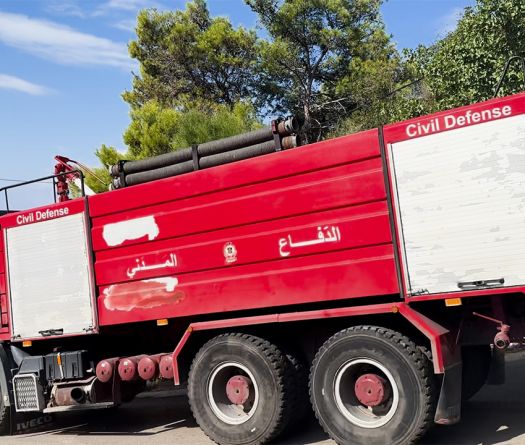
<point x="461" y="206"/>
<point x="49" y="278"/>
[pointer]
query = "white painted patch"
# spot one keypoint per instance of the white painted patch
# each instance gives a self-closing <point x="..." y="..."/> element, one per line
<point x="170" y="282"/>
<point x="143" y="294"/>
<point x="108" y="291"/>
<point x="115" y="234"/>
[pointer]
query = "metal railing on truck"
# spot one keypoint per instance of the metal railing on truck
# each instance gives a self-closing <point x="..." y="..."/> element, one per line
<point x="5" y="190"/>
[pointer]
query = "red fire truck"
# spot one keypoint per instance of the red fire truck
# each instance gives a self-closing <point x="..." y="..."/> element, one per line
<point x="378" y="277"/>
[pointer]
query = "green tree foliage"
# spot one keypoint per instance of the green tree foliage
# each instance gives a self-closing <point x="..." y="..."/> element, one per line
<point x="459" y="69"/>
<point x="188" y="55"/>
<point x="317" y="54"/>
<point x="319" y="59"/>
<point x="156" y="130"/>
<point x="399" y="104"/>
<point x="329" y="61"/>
<point x="381" y="86"/>
<point x="195" y="83"/>
<point x="100" y="181"/>
<point x="465" y="66"/>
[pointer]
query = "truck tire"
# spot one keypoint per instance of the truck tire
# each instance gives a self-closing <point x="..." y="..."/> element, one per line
<point x="240" y="390"/>
<point x="299" y="399"/>
<point x="5" y="423"/>
<point x="476" y="366"/>
<point x="371" y="385"/>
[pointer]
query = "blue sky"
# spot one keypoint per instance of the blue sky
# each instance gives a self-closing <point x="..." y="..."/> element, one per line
<point x="64" y="64"/>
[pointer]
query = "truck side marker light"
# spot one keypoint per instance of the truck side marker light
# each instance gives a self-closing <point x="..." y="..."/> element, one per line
<point x="162" y="322"/>
<point x="451" y="302"/>
<point x="27" y="344"/>
<point x="395" y="309"/>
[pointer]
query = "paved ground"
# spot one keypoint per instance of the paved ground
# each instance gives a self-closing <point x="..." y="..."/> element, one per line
<point x="494" y="416"/>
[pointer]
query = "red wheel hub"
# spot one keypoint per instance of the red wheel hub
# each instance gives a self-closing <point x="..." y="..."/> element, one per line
<point x="238" y="389"/>
<point x="371" y="390"/>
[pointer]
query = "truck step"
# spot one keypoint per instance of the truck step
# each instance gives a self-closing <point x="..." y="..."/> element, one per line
<point x="85" y="407"/>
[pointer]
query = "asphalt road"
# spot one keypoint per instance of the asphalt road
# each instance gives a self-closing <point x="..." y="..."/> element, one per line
<point x="494" y="416"/>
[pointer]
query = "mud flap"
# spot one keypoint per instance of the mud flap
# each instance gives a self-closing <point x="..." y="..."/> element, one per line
<point x="497" y="368"/>
<point x="23" y="423"/>
<point x="446" y="358"/>
<point x="448" y="411"/>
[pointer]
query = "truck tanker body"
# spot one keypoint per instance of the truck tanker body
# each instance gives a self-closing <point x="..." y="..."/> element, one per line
<point x="377" y="277"/>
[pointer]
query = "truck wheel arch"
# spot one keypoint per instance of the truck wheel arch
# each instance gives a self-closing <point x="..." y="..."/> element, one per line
<point x="444" y="353"/>
<point x="6" y="364"/>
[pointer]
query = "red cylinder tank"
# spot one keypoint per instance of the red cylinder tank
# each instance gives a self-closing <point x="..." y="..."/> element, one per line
<point x="149" y="367"/>
<point x="106" y="368"/>
<point x="128" y="368"/>
<point x="166" y="366"/>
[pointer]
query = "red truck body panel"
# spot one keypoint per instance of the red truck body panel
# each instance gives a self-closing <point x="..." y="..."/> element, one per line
<point x="4" y="301"/>
<point x="306" y="225"/>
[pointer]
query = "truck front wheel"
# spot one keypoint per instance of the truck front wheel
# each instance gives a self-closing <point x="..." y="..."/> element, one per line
<point x="240" y="390"/>
<point x="4" y="416"/>
<point x="372" y="385"/>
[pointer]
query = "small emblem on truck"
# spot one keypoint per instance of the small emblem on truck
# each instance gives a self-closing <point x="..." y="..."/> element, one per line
<point x="230" y="253"/>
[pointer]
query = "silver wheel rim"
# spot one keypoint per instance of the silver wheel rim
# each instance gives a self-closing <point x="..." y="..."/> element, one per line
<point x="221" y="406"/>
<point x="346" y="399"/>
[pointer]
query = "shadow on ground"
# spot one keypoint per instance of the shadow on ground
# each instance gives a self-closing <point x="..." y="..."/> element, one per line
<point x="493" y="416"/>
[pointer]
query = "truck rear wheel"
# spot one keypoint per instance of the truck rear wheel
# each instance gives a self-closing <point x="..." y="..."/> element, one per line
<point x="372" y="385"/>
<point x="240" y="390"/>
